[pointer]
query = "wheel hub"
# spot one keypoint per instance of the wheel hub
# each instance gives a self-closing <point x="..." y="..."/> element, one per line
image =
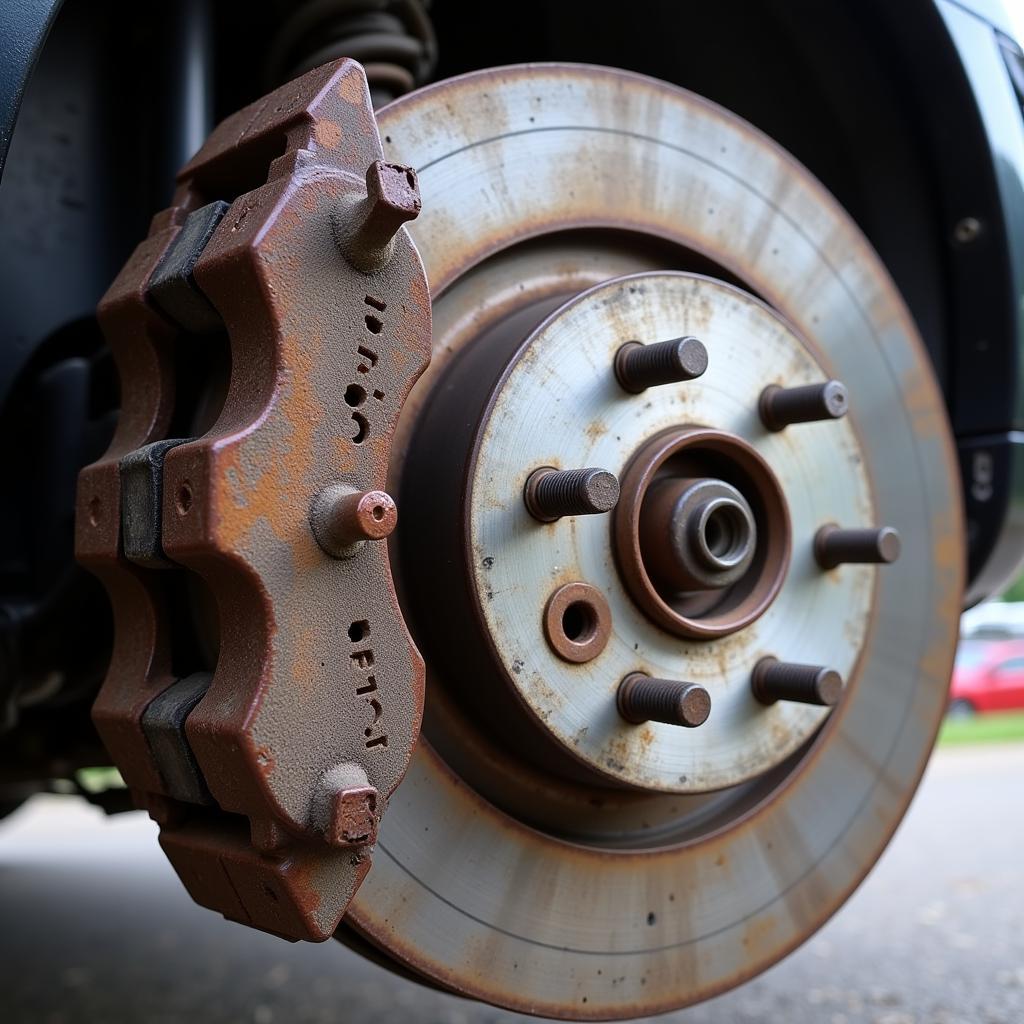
<point x="684" y="580"/>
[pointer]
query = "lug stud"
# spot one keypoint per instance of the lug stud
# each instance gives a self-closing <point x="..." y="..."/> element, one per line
<point x="779" y="407"/>
<point x="641" y="699"/>
<point x="551" y="493"/>
<point x="774" y="680"/>
<point x="342" y="518"/>
<point x="638" y="366"/>
<point x="833" y="546"/>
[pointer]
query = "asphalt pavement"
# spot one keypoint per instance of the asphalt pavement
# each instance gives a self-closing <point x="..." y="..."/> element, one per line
<point x="95" y="928"/>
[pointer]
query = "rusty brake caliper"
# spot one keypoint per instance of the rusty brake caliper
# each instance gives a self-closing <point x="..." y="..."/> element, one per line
<point x="267" y="757"/>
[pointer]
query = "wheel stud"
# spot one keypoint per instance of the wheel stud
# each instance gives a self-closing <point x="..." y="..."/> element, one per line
<point x="774" y="680"/>
<point x="833" y="546"/>
<point x="779" y="407"/>
<point x="551" y="493"/>
<point x="644" y="699"/>
<point x="638" y="366"/>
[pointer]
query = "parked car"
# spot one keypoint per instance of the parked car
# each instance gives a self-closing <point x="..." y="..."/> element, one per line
<point x="988" y="676"/>
<point x="993" y="620"/>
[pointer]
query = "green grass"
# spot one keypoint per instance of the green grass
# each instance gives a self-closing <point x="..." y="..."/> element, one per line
<point x="994" y="727"/>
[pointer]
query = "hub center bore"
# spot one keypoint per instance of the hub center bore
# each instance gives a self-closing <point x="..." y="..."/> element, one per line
<point x="697" y="534"/>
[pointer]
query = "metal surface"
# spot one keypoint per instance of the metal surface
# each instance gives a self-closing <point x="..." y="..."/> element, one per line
<point x="308" y="722"/>
<point x="393" y="39"/>
<point x="774" y="680"/>
<point x="461" y="891"/>
<point x="557" y="403"/>
<point x="163" y="723"/>
<point x="987" y="395"/>
<point x="640" y="699"/>
<point x="24" y="25"/>
<point x="669" y="461"/>
<point x="577" y="622"/>
<point x="342" y="519"/>
<point x="549" y="493"/>
<point x="639" y="366"/>
<point x="781" y="407"/>
<point x="696" y="534"/>
<point x="834" y="546"/>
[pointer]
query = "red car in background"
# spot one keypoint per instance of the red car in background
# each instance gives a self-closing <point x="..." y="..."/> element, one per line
<point x="988" y="676"/>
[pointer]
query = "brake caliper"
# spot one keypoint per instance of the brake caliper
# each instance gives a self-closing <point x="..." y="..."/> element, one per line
<point x="264" y="695"/>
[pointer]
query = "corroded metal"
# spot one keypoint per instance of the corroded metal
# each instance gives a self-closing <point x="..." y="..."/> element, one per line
<point x="577" y="622"/>
<point x="342" y="518"/>
<point x="322" y="356"/>
<point x="552" y="493"/>
<point x="553" y="897"/>
<point x="696" y="534"/>
<point x="774" y="680"/>
<point x="639" y="367"/>
<point x="658" y="477"/>
<point x="780" y="407"/>
<point x="495" y="875"/>
<point x="641" y="698"/>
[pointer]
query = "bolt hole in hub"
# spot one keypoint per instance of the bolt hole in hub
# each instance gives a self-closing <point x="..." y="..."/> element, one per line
<point x="644" y="826"/>
<point x="579" y="622"/>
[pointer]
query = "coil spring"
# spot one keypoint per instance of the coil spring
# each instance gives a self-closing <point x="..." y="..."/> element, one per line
<point x="393" y="39"/>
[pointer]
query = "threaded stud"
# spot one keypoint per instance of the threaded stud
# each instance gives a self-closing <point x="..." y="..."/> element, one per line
<point x="638" y="367"/>
<point x="551" y="493"/>
<point x="780" y="407"/>
<point x="642" y="698"/>
<point x="774" y="680"/>
<point x="834" y="547"/>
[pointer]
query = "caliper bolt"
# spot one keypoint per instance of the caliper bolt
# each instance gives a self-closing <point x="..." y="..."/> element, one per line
<point x="551" y="493"/>
<point x="779" y="407"/>
<point x="342" y="518"/>
<point x="353" y="817"/>
<point x="642" y="698"/>
<point x="774" y="680"/>
<point x="833" y="546"/>
<point x="365" y="229"/>
<point x="638" y="366"/>
<point x="346" y="807"/>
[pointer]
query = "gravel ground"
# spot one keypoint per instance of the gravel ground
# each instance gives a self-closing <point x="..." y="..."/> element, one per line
<point x="96" y="929"/>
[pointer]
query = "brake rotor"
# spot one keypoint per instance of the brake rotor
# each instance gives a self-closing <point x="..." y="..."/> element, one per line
<point x="546" y="852"/>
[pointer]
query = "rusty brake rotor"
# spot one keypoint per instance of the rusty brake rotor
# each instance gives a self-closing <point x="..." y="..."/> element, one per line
<point x="645" y="826"/>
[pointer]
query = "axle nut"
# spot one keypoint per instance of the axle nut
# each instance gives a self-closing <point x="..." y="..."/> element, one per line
<point x="696" y="534"/>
